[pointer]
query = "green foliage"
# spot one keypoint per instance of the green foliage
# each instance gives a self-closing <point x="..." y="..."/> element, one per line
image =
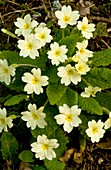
<point x="70" y="42"/>
<point x="15" y="99"/>
<point x="101" y="58"/>
<point x="101" y="29"/>
<point x="9" y="146"/>
<point x="100" y="77"/>
<point x="90" y="105"/>
<point x="13" y="57"/>
<point x="52" y="74"/>
<point x="55" y="92"/>
<point x="70" y="98"/>
<point x="38" y="168"/>
<point x="26" y="156"/>
<point x="54" y="165"/>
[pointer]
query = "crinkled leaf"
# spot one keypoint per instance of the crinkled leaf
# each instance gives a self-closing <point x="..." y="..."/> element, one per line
<point x="9" y="146"/>
<point x="90" y="105"/>
<point x="55" y="92"/>
<point x="70" y="98"/>
<point x="54" y="164"/>
<point x="101" y="58"/>
<point x="70" y="42"/>
<point x="51" y="123"/>
<point x="26" y="156"/>
<point x="52" y="74"/>
<point x="101" y="29"/>
<point x="15" y="99"/>
<point x="14" y="57"/>
<point x="100" y="77"/>
<point x="37" y="167"/>
<point x="104" y="99"/>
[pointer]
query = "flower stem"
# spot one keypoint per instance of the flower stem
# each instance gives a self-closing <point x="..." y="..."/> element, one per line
<point x="86" y="82"/>
<point x="106" y="110"/>
<point x="63" y="33"/>
<point x="22" y="65"/>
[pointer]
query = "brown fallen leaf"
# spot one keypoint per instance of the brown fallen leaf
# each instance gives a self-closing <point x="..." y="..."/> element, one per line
<point x="24" y="166"/>
<point x="67" y="155"/>
<point x="78" y="157"/>
<point x="104" y="145"/>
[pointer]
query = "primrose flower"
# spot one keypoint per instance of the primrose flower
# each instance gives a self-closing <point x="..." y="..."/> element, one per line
<point x="34" y="117"/>
<point x="68" y="117"/>
<point x="68" y="75"/>
<point x="108" y="122"/>
<point x="25" y="25"/>
<point x="43" y="147"/>
<point x="6" y="71"/>
<point x="5" y="122"/>
<point x="67" y="16"/>
<point x="34" y="81"/>
<point x="86" y="29"/>
<point x="82" y="67"/>
<point x="57" y="53"/>
<point x="90" y="91"/>
<point x="42" y="33"/>
<point x="82" y="52"/>
<point x="95" y="130"/>
<point x="29" y="46"/>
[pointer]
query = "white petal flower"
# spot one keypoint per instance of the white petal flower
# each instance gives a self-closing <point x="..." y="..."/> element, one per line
<point x="86" y="29"/>
<point x="82" y="67"/>
<point x="108" y="122"/>
<point x="25" y="25"/>
<point x="90" y="91"/>
<point x="67" y="16"/>
<point x="57" y="53"/>
<point x="5" y="122"/>
<point x="34" y="117"/>
<point x="68" y="75"/>
<point x="42" y="33"/>
<point x="43" y="148"/>
<point x="82" y="52"/>
<point x="29" y="46"/>
<point x="68" y="117"/>
<point x="95" y="130"/>
<point x="6" y="71"/>
<point x="34" y="81"/>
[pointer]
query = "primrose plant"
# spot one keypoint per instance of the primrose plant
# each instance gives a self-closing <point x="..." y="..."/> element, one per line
<point x="55" y="80"/>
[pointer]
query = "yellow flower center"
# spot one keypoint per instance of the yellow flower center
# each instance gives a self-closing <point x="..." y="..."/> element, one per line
<point x="70" y="72"/>
<point x="29" y="46"/>
<point x="35" y="80"/>
<point x="5" y="70"/>
<point x="57" y="53"/>
<point x="45" y="146"/>
<point x="26" y="26"/>
<point x="68" y="117"/>
<point x="2" y="121"/>
<point x="82" y="51"/>
<point x="94" y="130"/>
<point x="84" y="28"/>
<point x="80" y="68"/>
<point x="34" y="116"/>
<point x="42" y="36"/>
<point x="66" y="18"/>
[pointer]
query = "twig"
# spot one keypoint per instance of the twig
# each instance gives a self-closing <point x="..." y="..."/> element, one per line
<point x="105" y="43"/>
<point x="101" y="19"/>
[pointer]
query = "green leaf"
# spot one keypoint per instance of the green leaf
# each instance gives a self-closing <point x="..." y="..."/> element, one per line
<point x="54" y="164"/>
<point x="101" y="58"/>
<point x="14" y="58"/>
<point x="55" y="92"/>
<point x="9" y="146"/>
<point x="51" y="127"/>
<point x="70" y="98"/>
<point x="70" y="42"/>
<point x="37" y="167"/>
<point x="90" y="105"/>
<point x="26" y="156"/>
<point x="62" y="140"/>
<point x="104" y="99"/>
<point x="100" y="77"/>
<point x="15" y="99"/>
<point x="101" y="29"/>
<point x="52" y="74"/>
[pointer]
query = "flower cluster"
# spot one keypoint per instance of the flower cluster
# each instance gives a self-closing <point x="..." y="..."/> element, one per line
<point x="35" y="36"/>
